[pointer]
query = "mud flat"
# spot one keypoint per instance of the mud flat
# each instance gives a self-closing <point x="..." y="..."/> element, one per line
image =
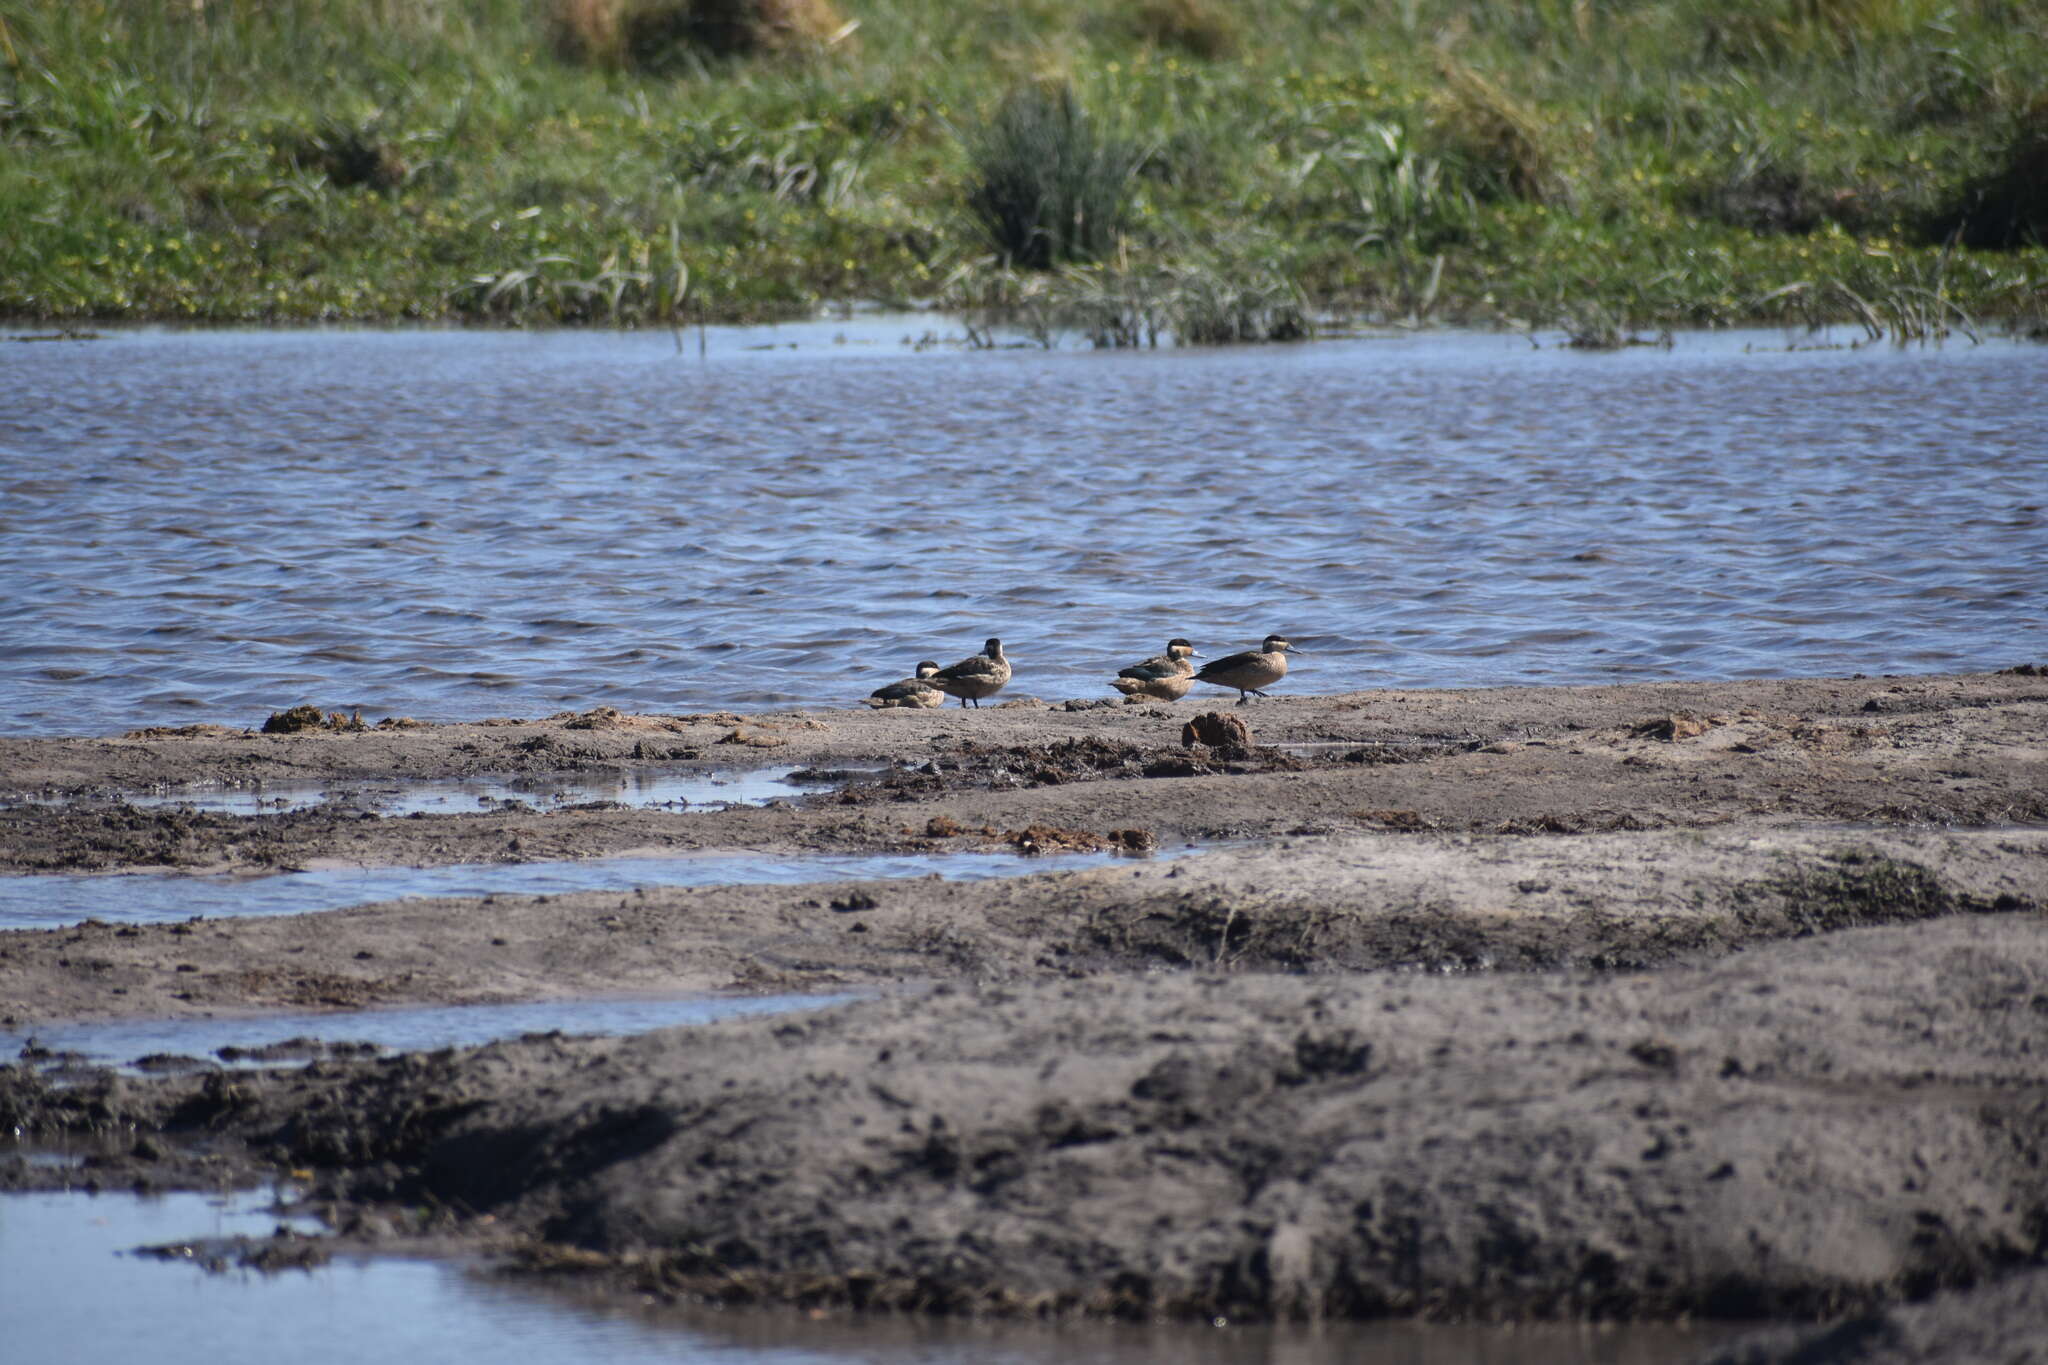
<point x="1801" y="1129"/>
<point x="1638" y="1001"/>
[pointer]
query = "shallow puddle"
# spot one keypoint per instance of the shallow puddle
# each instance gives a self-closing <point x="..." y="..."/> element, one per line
<point x="124" y="1041"/>
<point x="54" y="900"/>
<point x="71" y="1289"/>
<point x="669" y="791"/>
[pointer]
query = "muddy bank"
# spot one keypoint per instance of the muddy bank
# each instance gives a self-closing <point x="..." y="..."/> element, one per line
<point x="1385" y="1051"/>
<point x="2006" y="1321"/>
<point x="1945" y="750"/>
<point x="1805" y="1128"/>
<point x="1425" y="902"/>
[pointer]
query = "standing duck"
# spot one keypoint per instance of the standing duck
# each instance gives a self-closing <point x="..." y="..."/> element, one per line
<point x="911" y="692"/>
<point x="977" y="676"/>
<point x="1251" y="670"/>
<point x="1165" y="676"/>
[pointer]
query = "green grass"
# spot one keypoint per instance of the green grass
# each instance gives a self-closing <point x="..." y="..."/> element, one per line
<point x="1610" y="165"/>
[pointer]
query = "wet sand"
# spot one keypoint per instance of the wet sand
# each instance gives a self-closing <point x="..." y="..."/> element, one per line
<point x="1633" y="1001"/>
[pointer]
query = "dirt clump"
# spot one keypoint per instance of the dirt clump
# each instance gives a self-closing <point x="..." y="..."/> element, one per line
<point x="1216" y="730"/>
<point x="1676" y="726"/>
<point x="302" y="718"/>
<point x="1052" y="839"/>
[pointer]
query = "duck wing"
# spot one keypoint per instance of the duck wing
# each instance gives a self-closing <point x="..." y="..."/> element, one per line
<point x="1229" y="663"/>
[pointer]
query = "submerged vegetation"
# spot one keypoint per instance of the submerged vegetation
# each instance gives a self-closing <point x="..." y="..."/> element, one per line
<point x="1213" y="170"/>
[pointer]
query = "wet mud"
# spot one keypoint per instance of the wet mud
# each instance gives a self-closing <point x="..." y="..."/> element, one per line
<point x="1648" y="1001"/>
<point x="1808" y="1128"/>
<point x="1954" y="750"/>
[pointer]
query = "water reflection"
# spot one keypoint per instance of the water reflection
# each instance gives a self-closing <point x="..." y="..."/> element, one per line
<point x="69" y="1291"/>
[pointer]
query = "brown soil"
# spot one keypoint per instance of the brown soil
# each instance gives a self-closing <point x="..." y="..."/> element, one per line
<point x="1292" y="1076"/>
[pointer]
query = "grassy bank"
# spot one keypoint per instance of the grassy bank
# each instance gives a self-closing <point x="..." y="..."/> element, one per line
<point x="1233" y="166"/>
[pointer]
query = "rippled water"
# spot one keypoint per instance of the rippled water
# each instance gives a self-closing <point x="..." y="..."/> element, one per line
<point x="212" y="526"/>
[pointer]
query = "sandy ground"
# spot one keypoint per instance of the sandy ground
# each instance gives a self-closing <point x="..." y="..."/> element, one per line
<point x="1507" y="1003"/>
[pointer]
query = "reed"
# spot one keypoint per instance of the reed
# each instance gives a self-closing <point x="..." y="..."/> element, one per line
<point x="1211" y="302"/>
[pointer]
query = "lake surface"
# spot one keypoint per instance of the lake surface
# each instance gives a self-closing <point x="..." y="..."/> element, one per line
<point x="210" y="526"/>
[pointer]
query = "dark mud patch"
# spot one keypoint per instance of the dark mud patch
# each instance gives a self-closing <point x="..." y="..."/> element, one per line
<point x="2006" y="1320"/>
<point x="282" y="1251"/>
<point x="296" y="1050"/>
<point x="1271" y="931"/>
<point x="973" y="766"/>
<point x="70" y="839"/>
<point x="1806" y="1129"/>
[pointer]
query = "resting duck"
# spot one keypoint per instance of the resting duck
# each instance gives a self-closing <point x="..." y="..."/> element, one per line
<point x="1165" y="676"/>
<point x="911" y="692"/>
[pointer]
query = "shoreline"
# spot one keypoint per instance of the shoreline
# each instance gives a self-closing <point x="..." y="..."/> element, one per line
<point x="1625" y="1001"/>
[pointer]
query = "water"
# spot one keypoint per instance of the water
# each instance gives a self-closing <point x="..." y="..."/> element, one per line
<point x="705" y="791"/>
<point x="49" y="901"/>
<point x="70" y="1291"/>
<point x="450" y="525"/>
<point x="121" y="1042"/>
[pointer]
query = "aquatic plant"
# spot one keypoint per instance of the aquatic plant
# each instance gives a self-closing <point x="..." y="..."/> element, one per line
<point x="1212" y="302"/>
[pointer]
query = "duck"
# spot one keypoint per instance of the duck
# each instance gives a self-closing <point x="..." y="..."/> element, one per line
<point x="1252" y="670"/>
<point x="976" y="676"/>
<point x="1165" y="676"/>
<point x="911" y="692"/>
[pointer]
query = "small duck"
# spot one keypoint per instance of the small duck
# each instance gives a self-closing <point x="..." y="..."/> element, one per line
<point x="977" y="676"/>
<point x="911" y="692"/>
<point x="1165" y="676"/>
<point x="1251" y="670"/>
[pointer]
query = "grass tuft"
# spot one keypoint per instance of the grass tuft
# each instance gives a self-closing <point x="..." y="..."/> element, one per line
<point x="2006" y="207"/>
<point x="1204" y="29"/>
<point x="671" y="36"/>
<point x="1048" y="184"/>
<point x="1502" y="143"/>
<point x="588" y="32"/>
